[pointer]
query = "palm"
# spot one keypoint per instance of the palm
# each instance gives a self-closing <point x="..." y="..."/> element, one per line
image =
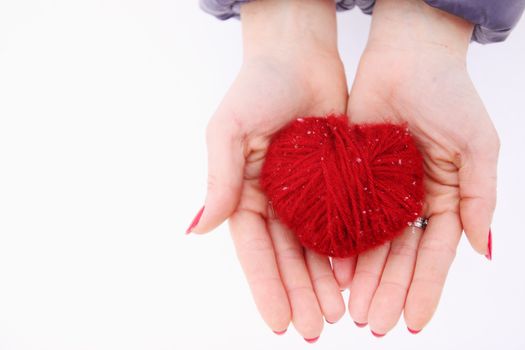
<point x="434" y="96"/>
<point x="287" y="283"/>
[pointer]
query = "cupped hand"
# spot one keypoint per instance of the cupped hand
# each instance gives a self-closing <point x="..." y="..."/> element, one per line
<point x="422" y="81"/>
<point x="291" y="78"/>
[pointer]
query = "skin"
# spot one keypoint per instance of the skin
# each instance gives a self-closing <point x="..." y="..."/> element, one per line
<point x="275" y="85"/>
<point x="413" y="70"/>
<point x="424" y="83"/>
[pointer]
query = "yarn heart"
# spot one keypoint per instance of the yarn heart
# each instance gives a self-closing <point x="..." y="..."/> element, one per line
<point x="343" y="188"/>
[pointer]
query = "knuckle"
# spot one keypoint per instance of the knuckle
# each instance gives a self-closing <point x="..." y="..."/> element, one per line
<point x="229" y="128"/>
<point x="221" y="186"/>
<point x="434" y="280"/>
<point x="255" y="245"/>
<point x="290" y="253"/>
<point x="487" y="146"/>
<point x="366" y="274"/>
<point x="322" y="278"/>
<point x="299" y="290"/>
<point x="212" y="182"/>
<point x="403" y="249"/>
<point x="438" y="247"/>
<point x="396" y="285"/>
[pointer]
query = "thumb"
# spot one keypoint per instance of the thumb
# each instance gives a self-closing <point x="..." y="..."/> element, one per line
<point x="225" y="174"/>
<point x="477" y="184"/>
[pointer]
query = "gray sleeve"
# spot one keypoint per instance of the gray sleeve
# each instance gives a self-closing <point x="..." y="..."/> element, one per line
<point x="493" y="19"/>
<point x="225" y="9"/>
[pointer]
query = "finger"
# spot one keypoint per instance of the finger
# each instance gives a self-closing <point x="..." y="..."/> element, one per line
<point x="325" y="286"/>
<point x="344" y="271"/>
<point x="306" y="313"/>
<point x="389" y="298"/>
<point x="436" y="252"/>
<point x="477" y="185"/>
<point x="366" y="279"/>
<point x="225" y="173"/>
<point x="256" y="255"/>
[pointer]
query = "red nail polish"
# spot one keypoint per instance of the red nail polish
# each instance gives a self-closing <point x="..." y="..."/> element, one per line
<point x="413" y="331"/>
<point x="378" y="335"/>
<point x="361" y="325"/>
<point x="280" y="332"/>
<point x="489" y="247"/>
<point x="195" y="221"/>
<point x="311" y="340"/>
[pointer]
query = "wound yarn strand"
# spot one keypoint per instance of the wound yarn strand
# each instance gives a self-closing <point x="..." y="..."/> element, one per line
<point x="343" y="188"/>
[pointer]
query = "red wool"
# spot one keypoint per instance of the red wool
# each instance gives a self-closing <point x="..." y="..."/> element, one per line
<point x="343" y="188"/>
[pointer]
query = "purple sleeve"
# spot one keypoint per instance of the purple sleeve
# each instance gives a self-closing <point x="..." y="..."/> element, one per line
<point x="493" y="19"/>
<point x="225" y="9"/>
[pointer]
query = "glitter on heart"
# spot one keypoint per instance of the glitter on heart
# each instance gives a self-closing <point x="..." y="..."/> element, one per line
<point x="343" y="188"/>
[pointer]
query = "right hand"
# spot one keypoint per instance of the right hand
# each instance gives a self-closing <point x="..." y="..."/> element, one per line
<point x="413" y="71"/>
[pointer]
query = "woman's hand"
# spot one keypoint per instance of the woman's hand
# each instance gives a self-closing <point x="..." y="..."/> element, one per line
<point x="413" y="70"/>
<point x="291" y="69"/>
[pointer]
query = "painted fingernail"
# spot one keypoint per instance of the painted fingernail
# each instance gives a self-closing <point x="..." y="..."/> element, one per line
<point x="195" y="220"/>
<point x="413" y="331"/>
<point x="378" y="335"/>
<point x="489" y="247"/>
<point x="280" y="332"/>
<point x="311" y="340"/>
<point x="361" y="325"/>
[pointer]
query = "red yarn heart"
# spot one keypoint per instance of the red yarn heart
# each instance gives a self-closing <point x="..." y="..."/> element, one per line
<point x="343" y="188"/>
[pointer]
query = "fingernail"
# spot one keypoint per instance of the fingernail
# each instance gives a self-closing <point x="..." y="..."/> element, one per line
<point x="280" y="332"/>
<point x="489" y="247"/>
<point x="378" y="335"/>
<point x="330" y="322"/>
<point x="195" y="220"/>
<point x="311" y="340"/>
<point x="360" y="325"/>
<point x="413" y="331"/>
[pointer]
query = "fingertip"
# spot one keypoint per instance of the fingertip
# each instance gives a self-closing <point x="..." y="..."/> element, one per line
<point x="476" y="217"/>
<point x="361" y="324"/>
<point x="418" y="312"/>
<point x="310" y="327"/>
<point x="489" y="246"/>
<point x="218" y="207"/>
<point x="481" y="241"/>
<point x="279" y="325"/>
<point x="377" y="334"/>
<point x="414" y="331"/>
<point x="311" y="340"/>
<point x="335" y="312"/>
<point x="343" y="270"/>
<point x="195" y="221"/>
<point x="280" y="332"/>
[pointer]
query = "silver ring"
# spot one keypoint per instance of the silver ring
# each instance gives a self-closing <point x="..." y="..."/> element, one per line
<point x="420" y="222"/>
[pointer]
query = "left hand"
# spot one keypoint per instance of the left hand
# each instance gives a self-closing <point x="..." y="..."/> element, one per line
<point x="291" y="68"/>
<point x="414" y="70"/>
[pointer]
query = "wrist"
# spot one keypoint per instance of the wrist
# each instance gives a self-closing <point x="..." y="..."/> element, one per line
<point x="413" y="25"/>
<point x="288" y="28"/>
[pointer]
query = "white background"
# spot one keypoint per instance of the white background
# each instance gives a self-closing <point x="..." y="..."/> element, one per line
<point x="103" y="106"/>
